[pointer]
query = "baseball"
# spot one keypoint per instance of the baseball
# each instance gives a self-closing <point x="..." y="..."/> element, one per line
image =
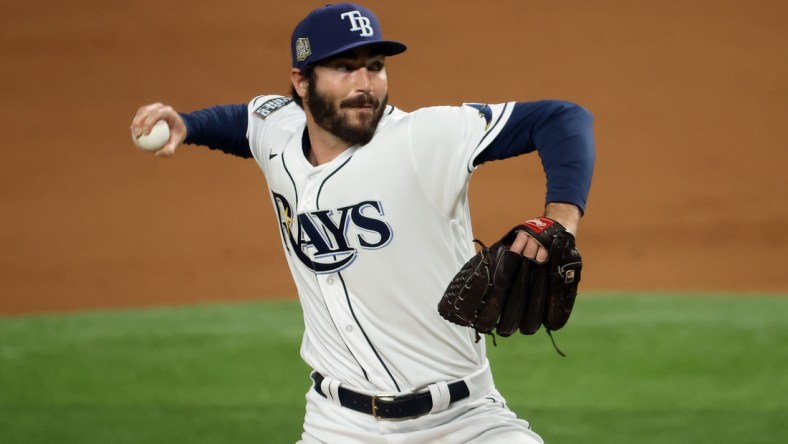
<point x="154" y="140"/>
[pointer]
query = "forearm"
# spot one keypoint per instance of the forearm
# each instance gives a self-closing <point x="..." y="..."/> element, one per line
<point x="220" y="128"/>
<point x="565" y="144"/>
<point x="562" y="133"/>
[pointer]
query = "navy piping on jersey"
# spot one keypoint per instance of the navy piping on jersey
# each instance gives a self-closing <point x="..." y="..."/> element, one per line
<point x="290" y="176"/>
<point x="278" y="211"/>
<point x="366" y="376"/>
<point x="347" y="295"/>
<point x="320" y="190"/>
<point x="374" y="350"/>
<point x="497" y="121"/>
<point x="333" y="321"/>
<point x="295" y="189"/>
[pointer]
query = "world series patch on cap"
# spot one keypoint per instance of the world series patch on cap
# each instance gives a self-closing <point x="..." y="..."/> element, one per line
<point x="302" y="48"/>
<point x="334" y="29"/>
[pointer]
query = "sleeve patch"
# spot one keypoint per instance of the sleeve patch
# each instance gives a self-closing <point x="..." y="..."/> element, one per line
<point x="484" y="111"/>
<point x="270" y="106"/>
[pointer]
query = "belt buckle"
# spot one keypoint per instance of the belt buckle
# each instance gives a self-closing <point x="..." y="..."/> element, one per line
<point x="375" y="399"/>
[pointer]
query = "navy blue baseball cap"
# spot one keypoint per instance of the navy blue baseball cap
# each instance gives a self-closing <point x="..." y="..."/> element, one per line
<point x="336" y="28"/>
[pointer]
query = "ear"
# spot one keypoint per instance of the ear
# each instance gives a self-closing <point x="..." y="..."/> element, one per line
<point x="299" y="81"/>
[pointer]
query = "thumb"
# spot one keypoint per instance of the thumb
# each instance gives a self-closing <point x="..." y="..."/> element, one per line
<point x="177" y="136"/>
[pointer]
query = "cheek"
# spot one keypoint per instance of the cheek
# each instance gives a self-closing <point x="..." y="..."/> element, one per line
<point x="329" y="87"/>
<point x="381" y="84"/>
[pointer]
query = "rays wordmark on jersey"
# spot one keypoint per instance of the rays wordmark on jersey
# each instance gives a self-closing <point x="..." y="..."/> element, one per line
<point x="327" y="241"/>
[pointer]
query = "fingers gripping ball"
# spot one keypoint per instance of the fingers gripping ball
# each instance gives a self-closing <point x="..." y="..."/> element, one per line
<point x="499" y="291"/>
<point x="155" y="140"/>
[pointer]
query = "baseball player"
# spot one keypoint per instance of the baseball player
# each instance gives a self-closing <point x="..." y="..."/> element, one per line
<point x="374" y="221"/>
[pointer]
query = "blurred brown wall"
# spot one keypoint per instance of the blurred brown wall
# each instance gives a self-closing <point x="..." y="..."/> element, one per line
<point x="690" y="100"/>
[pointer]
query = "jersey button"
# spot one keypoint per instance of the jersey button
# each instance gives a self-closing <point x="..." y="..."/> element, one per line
<point x="330" y="281"/>
<point x="349" y="328"/>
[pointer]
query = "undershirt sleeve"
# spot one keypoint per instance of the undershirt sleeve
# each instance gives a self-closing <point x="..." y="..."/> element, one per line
<point x="220" y="128"/>
<point x="562" y="133"/>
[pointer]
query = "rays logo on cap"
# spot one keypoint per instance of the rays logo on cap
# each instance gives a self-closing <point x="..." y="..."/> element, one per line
<point x="303" y="50"/>
<point x="337" y="28"/>
<point x="359" y="23"/>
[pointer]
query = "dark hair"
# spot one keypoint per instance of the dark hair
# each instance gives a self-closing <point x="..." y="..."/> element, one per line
<point x="309" y="74"/>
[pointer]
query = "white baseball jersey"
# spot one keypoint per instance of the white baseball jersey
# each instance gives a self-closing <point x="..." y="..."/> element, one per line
<point x="373" y="237"/>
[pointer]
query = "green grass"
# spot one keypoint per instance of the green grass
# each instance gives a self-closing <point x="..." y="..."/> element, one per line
<point x="203" y="374"/>
<point x="655" y="369"/>
<point x="640" y="369"/>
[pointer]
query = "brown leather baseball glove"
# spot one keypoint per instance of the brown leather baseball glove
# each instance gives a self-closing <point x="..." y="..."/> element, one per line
<point x="499" y="291"/>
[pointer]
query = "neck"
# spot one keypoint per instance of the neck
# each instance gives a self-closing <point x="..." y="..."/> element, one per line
<point x="323" y="145"/>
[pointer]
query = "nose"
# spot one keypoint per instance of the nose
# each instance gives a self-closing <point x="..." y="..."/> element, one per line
<point x="362" y="80"/>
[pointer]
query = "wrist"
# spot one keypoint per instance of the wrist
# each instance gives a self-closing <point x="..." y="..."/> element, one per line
<point x="566" y="214"/>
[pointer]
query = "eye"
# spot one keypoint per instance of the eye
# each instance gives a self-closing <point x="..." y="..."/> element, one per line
<point x="376" y="66"/>
<point x="344" y="67"/>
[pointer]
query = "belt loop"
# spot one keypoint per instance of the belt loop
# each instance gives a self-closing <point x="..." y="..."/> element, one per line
<point x="440" y="396"/>
<point x="331" y="388"/>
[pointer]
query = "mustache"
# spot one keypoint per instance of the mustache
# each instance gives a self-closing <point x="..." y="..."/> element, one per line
<point x="360" y="100"/>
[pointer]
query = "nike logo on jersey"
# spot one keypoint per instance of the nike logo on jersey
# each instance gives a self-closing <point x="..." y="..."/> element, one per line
<point x="327" y="241"/>
<point x="271" y="156"/>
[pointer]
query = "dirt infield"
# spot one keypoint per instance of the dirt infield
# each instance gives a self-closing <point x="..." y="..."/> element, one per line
<point x="690" y="101"/>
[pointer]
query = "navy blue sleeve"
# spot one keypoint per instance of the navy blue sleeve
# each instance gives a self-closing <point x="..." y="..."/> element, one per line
<point x="219" y="128"/>
<point x="562" y="133"/>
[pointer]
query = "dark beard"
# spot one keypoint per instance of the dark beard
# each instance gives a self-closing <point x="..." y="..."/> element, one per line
<point x="327" y="116"/>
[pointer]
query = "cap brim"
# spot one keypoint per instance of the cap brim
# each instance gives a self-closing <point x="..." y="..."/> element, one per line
<point x="384" y="47"/>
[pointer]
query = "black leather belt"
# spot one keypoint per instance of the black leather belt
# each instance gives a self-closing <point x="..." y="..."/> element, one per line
<point x="410" y="405"/>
